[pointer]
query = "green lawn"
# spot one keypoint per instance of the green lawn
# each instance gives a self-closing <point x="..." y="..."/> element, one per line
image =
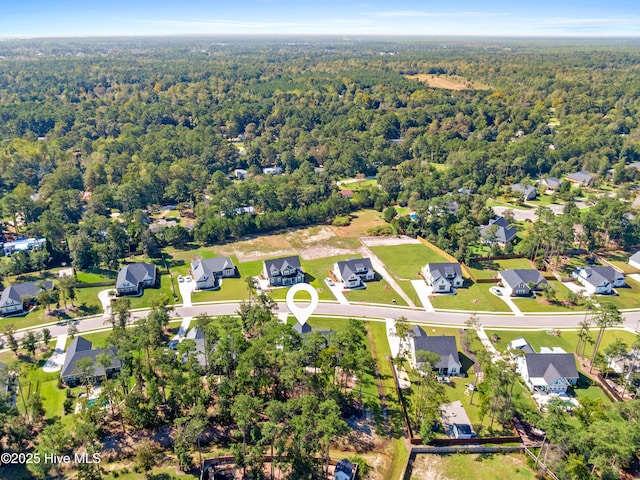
<point x="96" y="275"/>
<point x="34" y="317"/>
<point x="490" y="268"/>
<point x="476" y="298"/>
<point x="378" y="291"/>
<point x="567" y="340"/>
<point x="543" y="201"/>
<point x="406" y="261"/>
<point x="620" y="259"/>
<point x="628" y="297"/>
<point x="539" y="304"/>
<point x="151" y="294"/>
<point x="358" y="185"/>
<point x="473" y="467"/>
<point x="87" y="300"/>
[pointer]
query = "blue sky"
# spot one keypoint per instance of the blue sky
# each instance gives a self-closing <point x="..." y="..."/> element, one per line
<point x="374" y="17"/>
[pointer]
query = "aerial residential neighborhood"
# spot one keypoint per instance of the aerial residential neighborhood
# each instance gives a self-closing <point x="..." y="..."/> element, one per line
<point x="319" y="257"/>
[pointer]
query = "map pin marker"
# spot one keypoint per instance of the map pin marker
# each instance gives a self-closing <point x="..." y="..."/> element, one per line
<point x="302" y="314"/>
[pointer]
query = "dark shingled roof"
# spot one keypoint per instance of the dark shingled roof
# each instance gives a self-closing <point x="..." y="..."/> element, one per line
<point x="283" y="263"/>
<point x="504" y="234"/>
<point x="516" y="276"/>
<point x="550" y="366"/>
<point x="445" y="346"/>
<point x="19" y="290"/>
<point x="446" y="270"/>
<point x="208" y="266"/>
<point x="352" y="266"/>
<point x="135" y="273"/>
<point x="82" y="348"/>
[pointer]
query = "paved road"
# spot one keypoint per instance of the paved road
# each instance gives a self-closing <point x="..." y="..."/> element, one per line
<point x="369" y="312"/>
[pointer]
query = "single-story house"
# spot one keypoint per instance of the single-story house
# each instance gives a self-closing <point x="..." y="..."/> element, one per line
<point x="529" y="192"/>
<point x="442" y="345"/>
<point x="24" y="244"/>
<point x="82" y="348"/>
<point x="132" y="278"/>
<point x="464" y="191"/>
<point x="13" y="297"/>
<point x="521" y="282"/>
<point x="551" y="184"/>
<point x="346" y="193"/>
<point x="353" y="272"/>
<point x="463" y="430"/>
<point x="344" y="470"/>
<point x="272" y="170"/>
<point x="207" y="271"/>
<point x="634" y="260"/>
<point x="240" y="173"/>
<point x="548" y="372"/>
<point x="197" y="335"/>
<point x="284" y="271"/>
<point x="503" y="234"/>
<point x="599" y="280"/>
<point x="583" y="177"/>
<point x="443" y="277"/>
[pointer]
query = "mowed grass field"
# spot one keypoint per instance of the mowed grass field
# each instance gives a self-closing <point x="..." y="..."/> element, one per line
<point x="540" y="304"/>
<point x="404" y="262"/>
<point x="476" y="298"/>
<point x="462" y="466"/>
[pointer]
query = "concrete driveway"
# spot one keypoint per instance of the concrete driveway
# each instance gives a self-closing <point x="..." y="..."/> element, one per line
<point x="336" y="289"/>
<point x="504" y="296"/>
<point x="186" y="288"/>
<point x="56" y="361"/>
<point x="105" y="299"/>
<point x="424" y="291"/>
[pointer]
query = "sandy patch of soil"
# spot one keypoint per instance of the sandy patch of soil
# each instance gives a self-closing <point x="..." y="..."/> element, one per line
<point x="448" y="82"/>
<point x="387" y="241"/>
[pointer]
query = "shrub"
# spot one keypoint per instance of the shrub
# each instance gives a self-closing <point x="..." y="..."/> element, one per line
<point x="342" y="221"/>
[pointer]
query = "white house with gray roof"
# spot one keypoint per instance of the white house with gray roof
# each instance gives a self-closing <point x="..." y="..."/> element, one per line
<point x="207" y="272"/>
<point x="521" y="282"/>
<point x="284" y="271"/>
<point x="132" y="278"/>
<point x="599" y="280"/>
<point x="583" y="177"/>
<point x="82" y="348"/>
<point x="442" y="345"/>
<point x="354" y="272"/>
<point x="634" y="260"/>
<point x="548" y="372"/>
<point x="527" y="191"/>
<point x="17" y="298"/>
<point x="443" y="277"/>
<point x="551" y="184"/>
<point x="498" y="231"/>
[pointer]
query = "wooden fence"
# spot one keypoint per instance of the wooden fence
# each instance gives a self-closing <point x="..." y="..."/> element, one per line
<point x="466" y="271"/>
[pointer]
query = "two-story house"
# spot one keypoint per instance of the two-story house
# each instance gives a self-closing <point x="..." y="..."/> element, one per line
<point x="353" y="272"/>
<point x="443" y="277"/>
<point x="284" y="271"/>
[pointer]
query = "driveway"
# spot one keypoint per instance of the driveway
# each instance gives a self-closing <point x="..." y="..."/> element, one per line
<point x="424" y="291"/>
<point x="105" y="299"/>
<point x="336" y="289"/>
<point x="184" y="328"/>
<point x="186" y="288"/>
<point x="379" y="267"/>
<point x="56" y="361"/>
<point x="504" y="296"/>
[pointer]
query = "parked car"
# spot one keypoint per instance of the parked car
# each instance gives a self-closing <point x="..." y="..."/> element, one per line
<point x="329" y="282"/>
<point x="180" y="278"/>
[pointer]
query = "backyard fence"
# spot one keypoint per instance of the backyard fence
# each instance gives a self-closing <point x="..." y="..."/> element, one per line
<point x="465" y="270"/>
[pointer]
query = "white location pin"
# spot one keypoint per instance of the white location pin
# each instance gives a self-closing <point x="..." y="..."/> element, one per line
<point x="302" y="314"/>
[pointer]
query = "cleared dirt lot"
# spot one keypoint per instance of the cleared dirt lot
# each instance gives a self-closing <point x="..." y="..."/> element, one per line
<point x="449" y="82"/>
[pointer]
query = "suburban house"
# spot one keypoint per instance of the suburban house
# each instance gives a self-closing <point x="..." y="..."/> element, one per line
<point x="81" y="348"/>
<point x="465" y="191"/>
<point x="462" y="430"/>
<point x="353" y="272"/>
<point x="583" y="177"/>
<point x="529" y="192"/>
<point x="443" y="277"/>
<point x="599" y="280"/>
<point x="240" y="173"/>
<point x="498" y="231"/>
<point x="132" y="278"/>
<point x="24" y="245"/>
<point x="552" y="371"/>
<point x="207" y="271"/>
<point x="346" y="193"/>
<point x="17" y="298"/>
<point x="627" y="365"/>
<point x="197" y="335"/>
<point x="521" y="282"/>
<point x="272" y="170"/>
<point x="551" y="184"/>
<point x="634" y="260"/>
<point x="444" y="346"/>
<point x="284" y="271"/>
<point x="344" y="470"/>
